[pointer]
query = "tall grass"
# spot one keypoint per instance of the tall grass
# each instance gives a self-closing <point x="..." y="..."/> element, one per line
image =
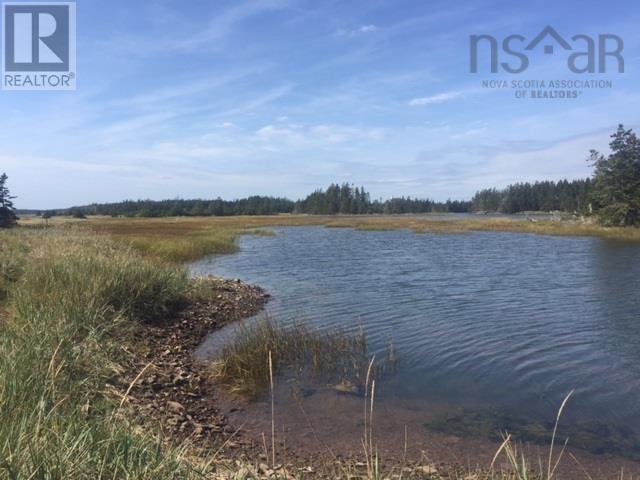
<point x="520" y="466"/>
<point x="244" y="364"/>
<point x="13" y="253"/>
<point x="71" y="297"/>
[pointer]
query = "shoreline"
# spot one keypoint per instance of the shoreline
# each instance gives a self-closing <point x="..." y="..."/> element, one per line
<point x="122" y="384"/>
<point x="176" y="393"/>
<point x="175" y="390"/>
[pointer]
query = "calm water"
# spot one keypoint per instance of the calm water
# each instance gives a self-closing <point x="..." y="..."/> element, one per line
<point x="498" y="322"/>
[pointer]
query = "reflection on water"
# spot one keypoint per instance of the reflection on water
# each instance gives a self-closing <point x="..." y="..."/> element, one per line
<point x="500" y="322"/>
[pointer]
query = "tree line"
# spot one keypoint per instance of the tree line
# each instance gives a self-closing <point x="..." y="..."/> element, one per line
<point x="612" y="194"/>
<point x="336" y="199"/>
<point x="256" y="205"/>
<point x="347" y="199"/>
<point x="544" y="196"/>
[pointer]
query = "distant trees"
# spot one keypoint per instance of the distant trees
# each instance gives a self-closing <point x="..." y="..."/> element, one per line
<point x="8" y="217"/>
<point x="181" y="208"/>
<point x="77" y="213"/>
<point x="616" y="180"/>
<point x="544" y="196"/>
<point x="336" y="199"/>
<point x="347" y="199"/>
<point x="613" y="193"/>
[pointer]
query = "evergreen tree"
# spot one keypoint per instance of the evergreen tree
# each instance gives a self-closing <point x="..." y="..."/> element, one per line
<point x="616" y="180"/>
<point x="8" y="216"/>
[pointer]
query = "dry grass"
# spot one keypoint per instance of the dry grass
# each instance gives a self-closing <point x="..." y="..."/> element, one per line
<point x="189" y="238"/>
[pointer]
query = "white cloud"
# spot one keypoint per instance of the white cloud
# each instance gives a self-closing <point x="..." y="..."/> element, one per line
<point x="367" y="28"/>
<point x="439" y="98"/>
<point x="294" y="136"/>
<point x="364" y="29"/>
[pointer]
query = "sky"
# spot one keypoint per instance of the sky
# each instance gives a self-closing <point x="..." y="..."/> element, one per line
<point x="207" y="98"/>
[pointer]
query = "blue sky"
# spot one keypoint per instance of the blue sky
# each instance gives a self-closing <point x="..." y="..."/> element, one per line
<point x="280" y="97"/>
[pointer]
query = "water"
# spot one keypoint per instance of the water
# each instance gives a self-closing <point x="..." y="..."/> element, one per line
<point x="502" y="323"/>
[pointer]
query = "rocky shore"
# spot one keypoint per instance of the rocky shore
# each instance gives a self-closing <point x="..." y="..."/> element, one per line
<point x="167" y="387"/>
<point x="164" y="387"/>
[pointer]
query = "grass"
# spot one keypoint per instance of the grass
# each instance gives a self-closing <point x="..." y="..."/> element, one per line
<point x="72" y="298"/>
<point x="267" y="348"/>
<point x="186" y="239"/>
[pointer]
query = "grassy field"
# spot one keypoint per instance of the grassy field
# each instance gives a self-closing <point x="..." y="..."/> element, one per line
<point x="73" y="294"/>
<point x="185" y="238"/>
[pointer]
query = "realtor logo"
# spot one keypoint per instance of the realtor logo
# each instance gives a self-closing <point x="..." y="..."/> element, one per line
<point x="589" y="54"/>
<point x="38" y="46"/>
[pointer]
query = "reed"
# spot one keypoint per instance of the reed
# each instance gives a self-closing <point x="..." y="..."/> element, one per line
<point x="333" y="356"/>
<point x="521" y="468"/>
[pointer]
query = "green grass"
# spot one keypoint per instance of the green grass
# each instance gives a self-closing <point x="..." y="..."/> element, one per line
<point x="243" y="366"/>
<point x="72" y="298"/>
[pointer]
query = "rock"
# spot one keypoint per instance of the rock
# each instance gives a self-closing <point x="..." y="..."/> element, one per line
<point x="427" y="469"/>
<point x="175" y="407"/>
<point x="348" y="387"/>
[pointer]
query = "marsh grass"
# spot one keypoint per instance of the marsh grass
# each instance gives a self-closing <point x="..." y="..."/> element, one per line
<point x="13" y="254"/>
<point x="186" y="239"/>
<point x="72" y="298"/>
<point x="243" y="366"/>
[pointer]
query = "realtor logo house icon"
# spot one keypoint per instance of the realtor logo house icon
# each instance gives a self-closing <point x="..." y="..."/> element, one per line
<point x="38" y="46"/>
<point x="548" y="49"/>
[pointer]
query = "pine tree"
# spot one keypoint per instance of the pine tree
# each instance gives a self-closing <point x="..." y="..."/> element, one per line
<point x="616" y="180"/>
<point x="8" y="216"/>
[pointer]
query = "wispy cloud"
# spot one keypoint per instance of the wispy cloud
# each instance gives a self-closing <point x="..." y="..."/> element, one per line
<point x="433" y="99"/>
<point x="184" y="38"/>
<point x="363" y="29"/>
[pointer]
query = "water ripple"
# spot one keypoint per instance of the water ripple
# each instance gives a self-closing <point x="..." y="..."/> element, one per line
<point x="499" y="319"/>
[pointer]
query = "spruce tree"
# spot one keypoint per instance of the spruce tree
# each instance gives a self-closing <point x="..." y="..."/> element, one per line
<point x="8" y="216"/>
<point x="616" y="180"/>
